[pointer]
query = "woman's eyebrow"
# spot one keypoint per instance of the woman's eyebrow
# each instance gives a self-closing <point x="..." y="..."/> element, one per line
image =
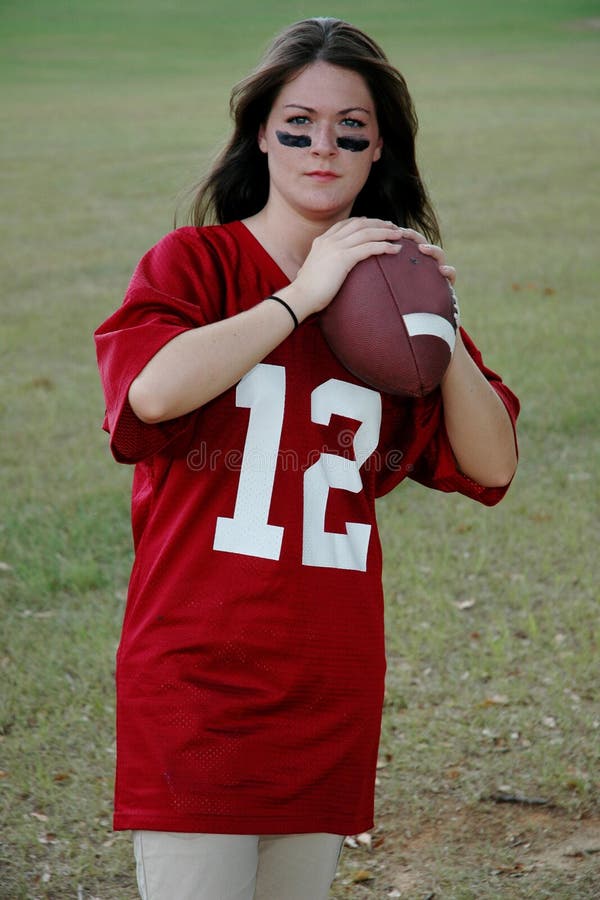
<point x="340" y="112"/>
<point x="350" y="109"/>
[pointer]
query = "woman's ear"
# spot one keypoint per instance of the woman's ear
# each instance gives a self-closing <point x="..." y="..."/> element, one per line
<point x="378" y="149"/>
<point x="262" y="140"/>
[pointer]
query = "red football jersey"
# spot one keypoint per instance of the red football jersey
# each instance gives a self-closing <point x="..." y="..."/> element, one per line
<point x="250" y="672"/>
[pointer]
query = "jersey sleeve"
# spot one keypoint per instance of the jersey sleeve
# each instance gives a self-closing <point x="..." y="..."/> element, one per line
<point x="426" y="455"/>
<point x="176" y="286"/>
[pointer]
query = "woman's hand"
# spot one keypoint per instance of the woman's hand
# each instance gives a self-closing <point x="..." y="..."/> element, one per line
<point x="332" y="255"/>
<point x="432" y="250"/>
<point x="476" y="420"/>
<point x="436" y="253"/>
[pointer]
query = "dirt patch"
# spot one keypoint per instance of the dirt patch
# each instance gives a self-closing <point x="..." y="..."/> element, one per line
<point x="503" y="847"/>
<point x="567" y="853"/>
<point x="500" y="841"/>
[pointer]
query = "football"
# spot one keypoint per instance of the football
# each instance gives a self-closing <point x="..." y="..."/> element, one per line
<point x="393" y="322"/>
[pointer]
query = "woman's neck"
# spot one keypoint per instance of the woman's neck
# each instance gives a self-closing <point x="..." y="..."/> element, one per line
<point x="287" y="239"/>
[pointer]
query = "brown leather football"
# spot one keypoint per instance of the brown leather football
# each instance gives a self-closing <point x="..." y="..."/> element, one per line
<point x="393" y="322"/>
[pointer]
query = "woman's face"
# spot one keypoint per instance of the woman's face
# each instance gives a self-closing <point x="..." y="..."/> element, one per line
<point x="321" y="138"/>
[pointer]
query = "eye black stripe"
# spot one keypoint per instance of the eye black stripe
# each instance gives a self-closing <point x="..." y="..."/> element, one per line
<point x="356" y="145"/>
<point x="293" y="140"/>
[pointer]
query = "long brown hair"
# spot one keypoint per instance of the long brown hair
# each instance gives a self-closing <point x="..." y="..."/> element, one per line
<point x="238" y="184"/>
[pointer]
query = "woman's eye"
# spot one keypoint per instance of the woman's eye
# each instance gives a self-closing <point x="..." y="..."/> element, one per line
<point x="298" y="120"/>
<point x="353" y="123"/>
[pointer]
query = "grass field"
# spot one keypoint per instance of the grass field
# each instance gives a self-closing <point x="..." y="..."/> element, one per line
<point x="493" y="635"/>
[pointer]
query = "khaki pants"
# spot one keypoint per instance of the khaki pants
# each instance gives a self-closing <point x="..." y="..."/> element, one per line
<point x="178" y="866"/>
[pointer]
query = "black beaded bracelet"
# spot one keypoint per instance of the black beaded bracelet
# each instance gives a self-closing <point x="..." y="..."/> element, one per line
<point x="287" y="306"/>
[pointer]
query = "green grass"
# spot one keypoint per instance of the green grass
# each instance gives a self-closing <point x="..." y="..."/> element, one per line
<point x="109" y="111"/>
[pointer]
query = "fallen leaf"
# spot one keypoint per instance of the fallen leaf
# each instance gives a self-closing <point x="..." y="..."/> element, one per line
<point x="496" y="700"/>
<point x="465" y="604"/>
<point x="3" y="773"/>
<point x="4" y="567"/>
<point x="48" y="838"/>
<point x="507" y="870"/>
<point x="61" y="776"/>
<point x="363" y="875"/>
<point x="39" y="816"/>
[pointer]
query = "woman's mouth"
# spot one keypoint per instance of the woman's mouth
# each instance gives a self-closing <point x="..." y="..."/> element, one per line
<point x="322" y="175"/>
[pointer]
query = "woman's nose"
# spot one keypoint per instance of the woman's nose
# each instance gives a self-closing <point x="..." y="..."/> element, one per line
<point x="324" y="141"/>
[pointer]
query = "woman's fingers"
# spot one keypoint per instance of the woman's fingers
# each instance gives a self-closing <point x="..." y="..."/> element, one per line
<point x="413" y="235"/>
<point x="366" y="237"/>
<point x="449" y="272"/>
<point x="355" y="241"/>
<point x="335" y="252"/>
<point x="361" y="227"/>
<point x="438" y="254"/>
<point x="373" y="248"/>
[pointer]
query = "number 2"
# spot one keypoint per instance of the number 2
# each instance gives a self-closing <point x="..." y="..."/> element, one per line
<point x="248" y="531"/>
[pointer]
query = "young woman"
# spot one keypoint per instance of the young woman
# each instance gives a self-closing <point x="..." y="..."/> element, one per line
<point x="251" y="666"/>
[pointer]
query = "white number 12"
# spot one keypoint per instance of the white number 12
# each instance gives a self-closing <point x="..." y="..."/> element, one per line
<point x="248" y="532"/>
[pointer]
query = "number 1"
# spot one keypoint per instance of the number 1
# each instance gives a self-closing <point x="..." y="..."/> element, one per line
<point x="262" y="390"/>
